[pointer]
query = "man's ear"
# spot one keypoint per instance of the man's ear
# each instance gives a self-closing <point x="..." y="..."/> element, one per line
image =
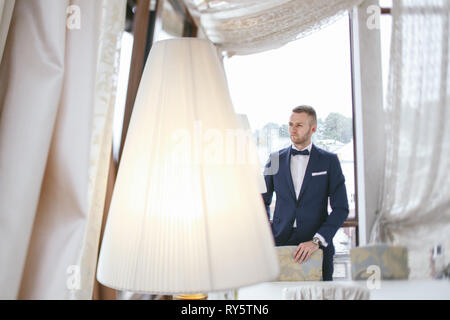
<point x="314" y="128"/>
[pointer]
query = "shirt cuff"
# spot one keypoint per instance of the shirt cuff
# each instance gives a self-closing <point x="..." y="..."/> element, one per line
<point x="322" y="240"/>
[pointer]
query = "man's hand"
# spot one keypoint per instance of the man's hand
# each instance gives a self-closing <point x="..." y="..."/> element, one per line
<point x="304" y="251"/>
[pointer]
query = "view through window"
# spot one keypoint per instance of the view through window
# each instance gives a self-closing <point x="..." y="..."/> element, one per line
<point x="316" y="71"/>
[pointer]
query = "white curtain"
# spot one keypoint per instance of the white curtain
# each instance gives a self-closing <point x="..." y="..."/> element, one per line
<point x="415" y="204"/>
<point x="250" y="26"/>
<point x="57" y="82"/>
<point x="6" y="9"/>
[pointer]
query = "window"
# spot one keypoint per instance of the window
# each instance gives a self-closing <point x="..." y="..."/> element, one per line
<point x="314" y="70"/>
<point x="122" y="85"/>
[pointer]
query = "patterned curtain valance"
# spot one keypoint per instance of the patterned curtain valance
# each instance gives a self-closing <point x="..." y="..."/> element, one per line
<point x="249" y="26"/>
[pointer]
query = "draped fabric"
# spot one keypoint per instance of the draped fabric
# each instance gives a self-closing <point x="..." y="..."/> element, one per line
<point x="57" y="82"/>
<point x="6" y="9"/>
<point x="250" y="26"/>
<point x="112" y="25"/>
<point x="415" y="203"/>
<point x="326" y="291"/>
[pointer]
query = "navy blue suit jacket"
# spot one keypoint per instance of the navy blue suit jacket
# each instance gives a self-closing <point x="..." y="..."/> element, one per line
<point x="311" y="207"/>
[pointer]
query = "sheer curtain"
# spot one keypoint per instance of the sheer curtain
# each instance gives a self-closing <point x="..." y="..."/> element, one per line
<point x="415" y="203"/>
<point x="57" y="83"/>
<point x="326" y="291"/>
<point x="250" y="26"/>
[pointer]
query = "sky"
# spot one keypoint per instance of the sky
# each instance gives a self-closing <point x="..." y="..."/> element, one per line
<point x="314" y="70"/>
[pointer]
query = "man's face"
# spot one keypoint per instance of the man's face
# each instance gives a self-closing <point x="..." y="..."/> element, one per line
<point x="301" y="128"/>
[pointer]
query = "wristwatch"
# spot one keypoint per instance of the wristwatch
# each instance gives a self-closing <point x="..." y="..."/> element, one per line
<point x="316" y="240"/>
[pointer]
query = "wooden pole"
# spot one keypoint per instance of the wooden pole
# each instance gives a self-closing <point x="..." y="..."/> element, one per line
<point x="140" y="29"/>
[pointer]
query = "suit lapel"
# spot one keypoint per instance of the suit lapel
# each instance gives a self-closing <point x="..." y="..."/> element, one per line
<point x="287" y="164"/>
<point x="312" y="163"/>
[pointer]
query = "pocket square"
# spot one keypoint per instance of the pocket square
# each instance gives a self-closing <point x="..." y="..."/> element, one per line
<point x="318" y="173"/>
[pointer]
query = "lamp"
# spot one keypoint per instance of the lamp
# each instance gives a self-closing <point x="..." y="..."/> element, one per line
<point x="185" y="216"/>
<point x="245" y="125"/>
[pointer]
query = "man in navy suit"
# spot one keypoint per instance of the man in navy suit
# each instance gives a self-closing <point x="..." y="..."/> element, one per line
<point x="304" y="177"/>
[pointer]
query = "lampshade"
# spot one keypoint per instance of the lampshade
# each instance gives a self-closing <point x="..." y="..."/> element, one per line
<point x="243" y="120"/>
<point x="186" y="214"/>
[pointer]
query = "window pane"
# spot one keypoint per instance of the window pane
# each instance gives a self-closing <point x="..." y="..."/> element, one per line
<point x="122" y="86"/>
<point x="385" y="3"/>
<point x="314" y="70"/>
<point x="344" y="240"/>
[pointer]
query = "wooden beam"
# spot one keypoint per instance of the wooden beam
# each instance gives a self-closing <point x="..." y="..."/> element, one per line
<point x="350" y="223"/>
<point x="140" y="27"/>
<point x="100" y="291"/>
<point x="189" y="29"/>
<point x="353" y="222"/>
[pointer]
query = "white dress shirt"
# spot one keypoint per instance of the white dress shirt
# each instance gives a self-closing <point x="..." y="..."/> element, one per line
<point x="298" y="166"/>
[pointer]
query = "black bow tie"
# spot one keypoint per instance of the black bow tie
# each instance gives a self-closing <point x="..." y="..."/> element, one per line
<point x="296" y="152"/>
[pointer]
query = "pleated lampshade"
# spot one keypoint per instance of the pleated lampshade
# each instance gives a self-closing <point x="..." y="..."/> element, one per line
<point x="252" y="152"/>
<point x="185" y="216"/>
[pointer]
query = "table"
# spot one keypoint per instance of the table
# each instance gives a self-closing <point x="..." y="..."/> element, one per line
<point x="389" y="289"/>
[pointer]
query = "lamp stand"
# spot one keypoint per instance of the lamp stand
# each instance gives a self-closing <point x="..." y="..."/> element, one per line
<point x="193" y="296"/>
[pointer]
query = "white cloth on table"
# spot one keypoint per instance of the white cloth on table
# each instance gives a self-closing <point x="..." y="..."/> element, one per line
<point x="325" y="291"/>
